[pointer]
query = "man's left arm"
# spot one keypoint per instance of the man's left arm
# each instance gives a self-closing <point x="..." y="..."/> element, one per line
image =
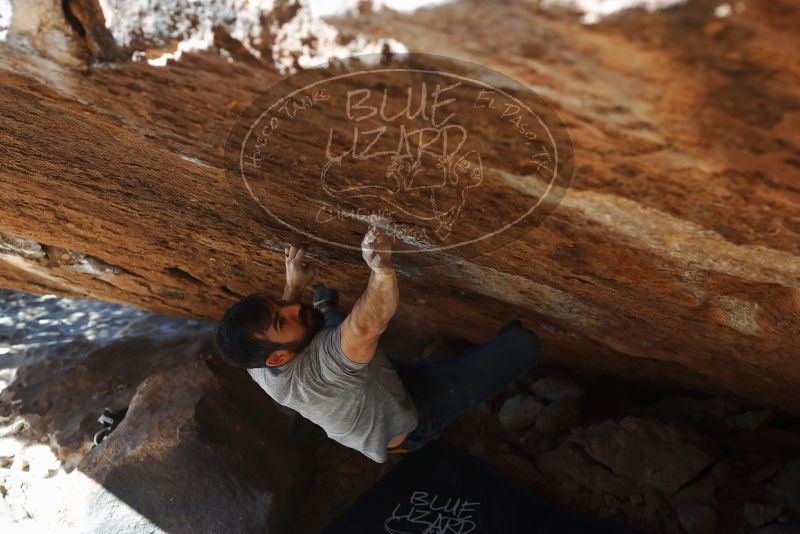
<point x="299" y="273"/>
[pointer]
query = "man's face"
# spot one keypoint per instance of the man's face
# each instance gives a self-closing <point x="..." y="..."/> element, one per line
<point x="293" y="325"/>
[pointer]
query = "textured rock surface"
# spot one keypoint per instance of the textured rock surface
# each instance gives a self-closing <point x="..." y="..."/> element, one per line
<point x="200" y="449"/>
<point x="61" y="397"/>
<point x="519" y="412"/>
<point x="558" y="416"/>
<point x="553" y="389"/>
<point x="756" y="476"/>
<point x="673" y="257"/>
<point x="650" y="452"/>
<point x="191" y="455"/>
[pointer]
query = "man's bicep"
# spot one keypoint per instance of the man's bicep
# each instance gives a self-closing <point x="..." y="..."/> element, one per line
<point x="358" y="345"/>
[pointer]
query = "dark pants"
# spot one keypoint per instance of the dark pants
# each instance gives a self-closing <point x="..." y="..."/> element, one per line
<point x="444" y="390"/>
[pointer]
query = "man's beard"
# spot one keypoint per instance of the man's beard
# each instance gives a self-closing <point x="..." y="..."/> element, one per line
<point x="312" y="321"/>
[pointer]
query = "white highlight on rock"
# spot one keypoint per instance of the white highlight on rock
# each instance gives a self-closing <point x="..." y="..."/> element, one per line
<point x="199" y="42"/>
<point x="337" y="8"/>
<point x="197" y="162"/>
<point x="670" y="236"/>
<point x="183" y="19"/>
<point x="6" y="13"/>
<point x="409" y="6"/>
<point x="723" y="10"/>
<point x="596" y="10"/>
<point x="38" y="494"/>
<point x="302" y="41"/>
<point x="306" y="41"/>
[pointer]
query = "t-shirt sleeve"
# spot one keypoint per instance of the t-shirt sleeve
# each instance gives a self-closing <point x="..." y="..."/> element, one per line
<point x="335" y="365"/>
<point x="257" y="374"/>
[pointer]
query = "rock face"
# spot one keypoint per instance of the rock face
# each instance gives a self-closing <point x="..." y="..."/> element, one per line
<point x="553" y="389"/>
<point x="62" y="398"/>
<point x="201" y="448"/>
<point x="520" y="412"/>
<point x="558" y="416"/>
<point x="191" y="455"/>
<point x="654" y="454"/>
<point x="673" y="257"/>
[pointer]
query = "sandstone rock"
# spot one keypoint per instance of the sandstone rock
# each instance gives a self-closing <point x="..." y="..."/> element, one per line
<point x="62" y="382"/>
<point x="675" y="200"/>
<point x="197" y="452"/>
<point x="698" y="519"/>
<point x="553" y="388"/>
<point x="652" y="453"/>
<point x="519" y="412"/>
<point x="570" y="461"/>
<point x="558" y="416"/>
<point x="757" y="514"/>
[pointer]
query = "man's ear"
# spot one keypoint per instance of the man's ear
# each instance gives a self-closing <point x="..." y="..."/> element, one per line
<point x="279" y="357"/>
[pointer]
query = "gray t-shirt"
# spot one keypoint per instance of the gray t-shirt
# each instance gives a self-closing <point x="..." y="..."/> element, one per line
<point x="361" y="406"/>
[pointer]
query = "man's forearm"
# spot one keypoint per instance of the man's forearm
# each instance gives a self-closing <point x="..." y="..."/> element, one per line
<point x="377" y="304"/>
<point x="292" y="293"/>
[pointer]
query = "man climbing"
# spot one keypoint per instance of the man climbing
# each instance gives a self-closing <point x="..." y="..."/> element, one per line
<point x="328" y="366"/>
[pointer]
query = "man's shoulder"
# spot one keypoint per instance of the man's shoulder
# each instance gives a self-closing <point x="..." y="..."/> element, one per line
<point x="328" y="349"/>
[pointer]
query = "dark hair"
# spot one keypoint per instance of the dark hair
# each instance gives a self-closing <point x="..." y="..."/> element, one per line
<point x="235" y="339"/>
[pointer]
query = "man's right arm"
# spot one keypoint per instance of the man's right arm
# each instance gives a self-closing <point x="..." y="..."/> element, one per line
<point x="373" y="310"/>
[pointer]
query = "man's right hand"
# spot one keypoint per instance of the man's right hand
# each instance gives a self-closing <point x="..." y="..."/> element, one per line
<point x="376" y="249"/>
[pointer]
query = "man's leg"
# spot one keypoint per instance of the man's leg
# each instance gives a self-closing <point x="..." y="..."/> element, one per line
<point x="334" y="317"/>
<point x="443" y="391"/>
<point x="326" y="300"/>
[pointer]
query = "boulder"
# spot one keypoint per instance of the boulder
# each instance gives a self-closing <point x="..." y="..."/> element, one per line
<point x="572" y="462"/>
<point x="519" y="412"/>
<point x="553" y="388"/>
<point x="198" y="451"/>
<point x="653" y="453"/>
<point x="71" y="358"/>
<point x="558" y="416"/>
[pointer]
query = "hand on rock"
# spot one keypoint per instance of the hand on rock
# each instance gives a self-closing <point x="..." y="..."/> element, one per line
<point x="299" y="272"/>
<point x="376" y="249"/>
